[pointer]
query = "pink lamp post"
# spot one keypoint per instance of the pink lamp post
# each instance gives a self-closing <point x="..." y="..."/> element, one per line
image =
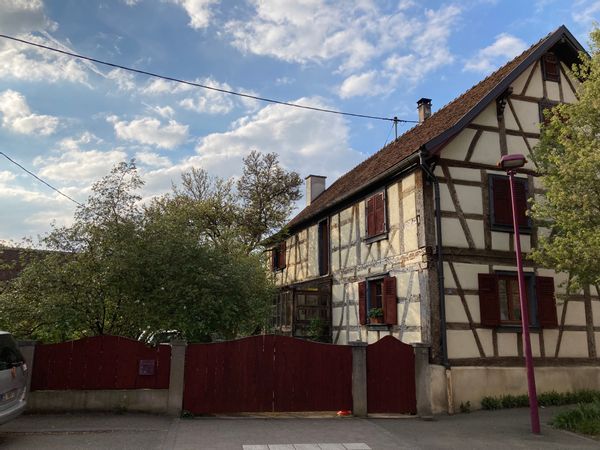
<point x="510" y="163"/>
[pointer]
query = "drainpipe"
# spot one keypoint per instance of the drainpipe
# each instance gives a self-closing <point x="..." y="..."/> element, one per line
<point x="428" y="168"/>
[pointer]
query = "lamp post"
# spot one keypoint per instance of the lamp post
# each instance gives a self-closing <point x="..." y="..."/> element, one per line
<point x="510" y="163"/>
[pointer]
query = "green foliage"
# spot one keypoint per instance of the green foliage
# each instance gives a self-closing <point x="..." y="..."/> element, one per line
<point x="551" y="398"/>
<point x="465" y="407"/>
<point x="316" y="330"/>
<point x="375" y="312"/>
<point x="585" y="418"/>
<point x="568" y="157"/>
<point x="183" y="263"/>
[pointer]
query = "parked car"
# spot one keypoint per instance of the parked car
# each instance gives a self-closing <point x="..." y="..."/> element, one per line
<point x="13" y="379"/>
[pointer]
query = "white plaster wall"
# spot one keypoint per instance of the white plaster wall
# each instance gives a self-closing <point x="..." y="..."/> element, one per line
<point x="487" y="116"/>
<point x="553" y="90"/>
<point x="461" y="344"/>
<point x="535" y="88"/>
<point x="487" y="150"/>
<point x="529" y="115"/>
<point x="507" y="344"/>
<point x="519" y="83"/>
<point x="574" y="344"/>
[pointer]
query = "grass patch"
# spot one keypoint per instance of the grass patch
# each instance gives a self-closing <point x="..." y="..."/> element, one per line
<point x="584" y="419"/>
<point x="551" y="398"/>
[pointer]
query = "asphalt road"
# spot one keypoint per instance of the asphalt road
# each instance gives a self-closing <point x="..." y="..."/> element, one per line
<point x="478" y="430"/>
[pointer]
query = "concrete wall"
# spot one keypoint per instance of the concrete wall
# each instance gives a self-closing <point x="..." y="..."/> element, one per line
<point x="135" y="400"/>
<point x="473" y="383"/>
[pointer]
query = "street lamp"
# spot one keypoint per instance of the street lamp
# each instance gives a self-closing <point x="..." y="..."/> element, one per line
<point x="510" y="163"/>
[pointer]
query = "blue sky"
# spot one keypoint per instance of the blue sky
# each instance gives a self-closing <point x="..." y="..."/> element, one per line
<point x="69" y="121"/>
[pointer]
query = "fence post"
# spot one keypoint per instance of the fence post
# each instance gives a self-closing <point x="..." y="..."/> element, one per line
<point x="359" y="378"/>
<point x="27" y="349"/>
<point x="423" y="381"/>
<point x="176" y="378"/>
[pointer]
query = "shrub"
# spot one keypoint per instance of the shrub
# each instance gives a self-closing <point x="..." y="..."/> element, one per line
<point x="585" y="418"/>
<point x="465" y="407"/>
<point x="551" y="398"/>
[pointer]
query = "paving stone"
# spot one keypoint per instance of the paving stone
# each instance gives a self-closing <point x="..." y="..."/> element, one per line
<point x="357" y="446"/>
<point x="255" y="447"/>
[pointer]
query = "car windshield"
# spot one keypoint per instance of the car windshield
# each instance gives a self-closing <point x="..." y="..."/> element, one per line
<point x="10" y="356"/>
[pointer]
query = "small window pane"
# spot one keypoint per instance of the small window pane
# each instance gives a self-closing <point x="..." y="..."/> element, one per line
<point x="502" y="294"/>
<point x="516" y="305"/>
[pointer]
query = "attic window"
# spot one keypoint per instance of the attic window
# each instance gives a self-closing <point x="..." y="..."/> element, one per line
<point x="550" y="67"/>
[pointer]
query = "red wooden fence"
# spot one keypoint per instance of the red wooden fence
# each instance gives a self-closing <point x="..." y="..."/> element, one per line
<point x="267" y="373"/>
<point x="391" y="377"/>
<point x="101" y="362"/>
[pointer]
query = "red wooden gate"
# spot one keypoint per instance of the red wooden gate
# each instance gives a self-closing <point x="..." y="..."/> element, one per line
<point x="100" y="362"/>
<point x="391" y="377"/>
<point x="267" y="373"/>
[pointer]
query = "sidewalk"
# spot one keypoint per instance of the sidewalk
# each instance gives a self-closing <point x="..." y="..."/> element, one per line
<point x="479" y="430"/>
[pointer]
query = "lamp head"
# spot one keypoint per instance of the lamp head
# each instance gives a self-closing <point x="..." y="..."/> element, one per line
<point x="512" y="162"/>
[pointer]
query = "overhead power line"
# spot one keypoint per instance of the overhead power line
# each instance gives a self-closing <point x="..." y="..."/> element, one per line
<point x="395" y="120"/>
<point x="39" y="179"/>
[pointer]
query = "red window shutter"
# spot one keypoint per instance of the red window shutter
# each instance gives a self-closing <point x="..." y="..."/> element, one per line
<point x="502" y="201"/>
<point x="489" y="303"/>
<point x="550" y="67"/>
<point x="362" y="302"/>
<point x="275" y="259"/>
<point x="390" y="308"/>
<point x="371" y="224"/>
<point x="379" y="213"/>
<point x="544" y="288"/>
<point x="281" y="258"/>
<point x="521" y="200"/>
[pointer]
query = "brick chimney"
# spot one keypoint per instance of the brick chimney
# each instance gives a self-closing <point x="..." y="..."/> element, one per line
<point x="424" y="107"/>
<point x="315" y="185"/>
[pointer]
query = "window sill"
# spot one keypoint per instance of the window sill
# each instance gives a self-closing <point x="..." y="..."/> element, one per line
<point x="378" y="327"/>
<point x="510" y="229"/>
<point x="514" y="328"/>
<point x="377" y="237"/>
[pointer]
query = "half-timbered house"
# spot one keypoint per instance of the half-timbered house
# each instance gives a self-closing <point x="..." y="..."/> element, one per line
<point x="421" y="234"/>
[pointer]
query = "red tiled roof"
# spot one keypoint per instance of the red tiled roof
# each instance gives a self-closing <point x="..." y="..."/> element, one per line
<point x="410" y="142"/>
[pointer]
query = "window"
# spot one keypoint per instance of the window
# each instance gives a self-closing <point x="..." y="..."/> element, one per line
<point x="543" y="106"/>
<point x="550" y="67"/>
<point x="323" y="247"/>
<point x="499" y="300"/>
<point x="376" y="223"/>
<point x="501" y="204"/>
<point x="278" y="257"/>
<point x="378" y="293"/>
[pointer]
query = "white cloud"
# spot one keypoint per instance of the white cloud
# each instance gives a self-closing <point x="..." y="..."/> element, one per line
<point x="158" y="86"/>
<point x="165" y="112"/>
<point x="152" y="159"/>
<point x="362" y="84"/>
<point x="78" y="165"/>
<point x="125" y="80"/>
<point x="17" y="117"/>
<point x="207" y="101"/>
<point x="131" y="2"/>
<point x="305" y="141"/>
<point x="505" y="47"/>
<point x="147" y="130"/>
<point x="427" y="51"/>
<point x="584" y="12"/>
<point x="199" y="11"/>
<point x="19" y="16"/>
<point x="353" y="33"/>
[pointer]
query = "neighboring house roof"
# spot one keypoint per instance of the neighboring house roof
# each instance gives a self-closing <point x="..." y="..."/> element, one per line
<point x="437" y="129"/>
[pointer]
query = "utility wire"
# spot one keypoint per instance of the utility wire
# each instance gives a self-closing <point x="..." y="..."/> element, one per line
<point x="388" y="135"/>
<point x="203" y="86"/>
<point x="39" y="179"/>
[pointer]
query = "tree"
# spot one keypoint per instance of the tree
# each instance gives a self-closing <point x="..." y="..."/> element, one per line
<point x="267" y="194"/>
<point x="568" y="158"/>
<point x="242" y="217"/>
<point x="124" y="269"/>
